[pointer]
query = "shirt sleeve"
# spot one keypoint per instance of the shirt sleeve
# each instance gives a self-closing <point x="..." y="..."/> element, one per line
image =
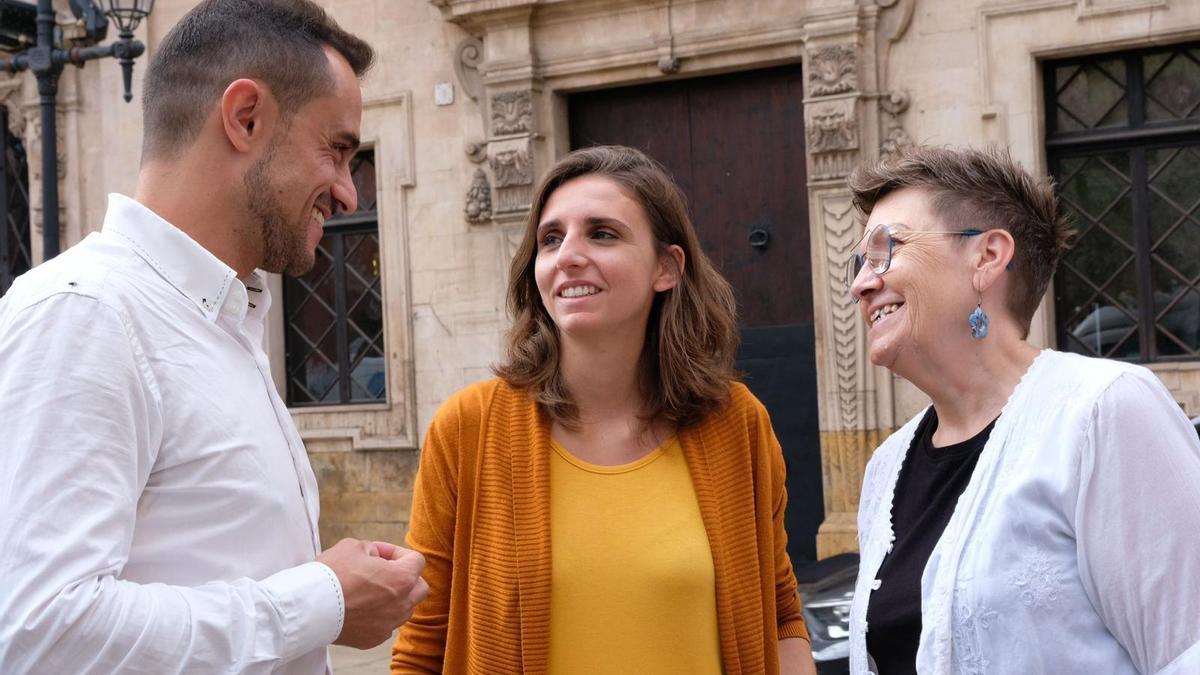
<point x="1137" y="519"/>
<point x="82" y="426"/>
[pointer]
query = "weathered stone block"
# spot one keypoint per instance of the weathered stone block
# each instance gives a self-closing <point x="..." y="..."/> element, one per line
<point x="393" y="471"/>
<point x="339" y="472"/>
<point x="366" y="507"/>
<point x="393" y="533"/>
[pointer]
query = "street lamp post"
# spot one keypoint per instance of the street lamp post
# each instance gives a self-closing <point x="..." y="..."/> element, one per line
<point x="46" y="60"/>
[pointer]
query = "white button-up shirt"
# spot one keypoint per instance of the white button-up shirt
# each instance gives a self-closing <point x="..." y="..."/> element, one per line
<point x="158" y="513"/>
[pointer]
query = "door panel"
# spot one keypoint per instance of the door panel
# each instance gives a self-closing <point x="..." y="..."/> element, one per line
<point x="735" y="145"/>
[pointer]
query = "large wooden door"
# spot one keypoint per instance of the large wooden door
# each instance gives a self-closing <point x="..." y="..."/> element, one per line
<point x="735" y="144"/>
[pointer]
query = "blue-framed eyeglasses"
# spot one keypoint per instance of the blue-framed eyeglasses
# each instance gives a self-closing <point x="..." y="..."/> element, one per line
<point x="875" y="249"/>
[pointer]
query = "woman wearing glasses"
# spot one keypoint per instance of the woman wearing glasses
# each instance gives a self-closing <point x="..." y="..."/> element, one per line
<point x="1041" y="516"/>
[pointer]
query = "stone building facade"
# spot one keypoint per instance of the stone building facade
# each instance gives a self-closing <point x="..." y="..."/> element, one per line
<point x="468" y="105"/>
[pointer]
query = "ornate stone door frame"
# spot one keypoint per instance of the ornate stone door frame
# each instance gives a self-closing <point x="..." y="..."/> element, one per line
<point x="520" y="55"/>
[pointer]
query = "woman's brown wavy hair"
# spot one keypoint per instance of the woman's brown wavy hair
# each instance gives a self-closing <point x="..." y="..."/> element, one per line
<point x="691" y="337"/>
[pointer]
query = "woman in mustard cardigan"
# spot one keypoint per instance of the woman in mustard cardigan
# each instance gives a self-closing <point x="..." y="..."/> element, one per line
<point x="613" y="502"/>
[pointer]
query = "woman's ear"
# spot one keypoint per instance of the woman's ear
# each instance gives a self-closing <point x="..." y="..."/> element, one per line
<point x="247" y="112"/>
<point x="670" y="268"/>
<point x="997" y="249"/>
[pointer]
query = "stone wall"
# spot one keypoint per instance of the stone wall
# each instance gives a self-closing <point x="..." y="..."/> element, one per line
<point x="365" y="494"/>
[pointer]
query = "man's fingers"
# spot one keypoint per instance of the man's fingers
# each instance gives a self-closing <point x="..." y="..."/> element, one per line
<point x="386" y="551"/>
<point x="411" y="560"/>
<point x="419" y="592"/>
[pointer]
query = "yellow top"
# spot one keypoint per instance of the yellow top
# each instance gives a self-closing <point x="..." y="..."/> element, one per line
<point x="481" y="518"/>
<point x="633" y="588"/>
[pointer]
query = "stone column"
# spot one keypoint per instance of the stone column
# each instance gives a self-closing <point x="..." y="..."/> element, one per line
<point x="832" y="119"/>
<point x="848" y="119"/>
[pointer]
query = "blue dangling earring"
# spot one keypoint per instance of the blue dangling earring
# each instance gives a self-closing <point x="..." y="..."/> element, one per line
<point x="978" y="321"/>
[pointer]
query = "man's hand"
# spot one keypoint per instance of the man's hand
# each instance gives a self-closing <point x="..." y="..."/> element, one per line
<point x="381" y="583"/>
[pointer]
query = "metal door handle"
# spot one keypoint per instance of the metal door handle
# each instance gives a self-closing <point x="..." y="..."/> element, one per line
<point x="759" y="237"/>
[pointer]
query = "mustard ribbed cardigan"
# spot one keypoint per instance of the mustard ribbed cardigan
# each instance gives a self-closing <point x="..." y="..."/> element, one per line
<point x="481" y="517"/>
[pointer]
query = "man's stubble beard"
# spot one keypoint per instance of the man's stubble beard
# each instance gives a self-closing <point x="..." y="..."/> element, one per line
<point x="284" y="247"/>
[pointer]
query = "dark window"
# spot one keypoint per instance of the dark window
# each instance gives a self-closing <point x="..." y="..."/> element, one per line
<point x="334" y="314"/>
<point x="15" y="258"/>
<point x="1123" y="142"/>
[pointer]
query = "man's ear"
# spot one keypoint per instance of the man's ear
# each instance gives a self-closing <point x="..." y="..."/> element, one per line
<point x="248" y="114"/>
<point x="997" y="250"/>
<point x="670" y="268"/>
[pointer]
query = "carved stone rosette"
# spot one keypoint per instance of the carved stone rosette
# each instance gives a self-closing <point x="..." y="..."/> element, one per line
<point x="832" y="70"/>
<point x="512" y="112"/>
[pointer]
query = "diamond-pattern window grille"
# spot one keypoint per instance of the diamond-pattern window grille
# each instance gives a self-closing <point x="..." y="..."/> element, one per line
<point x="1091" y="95"/>
<point x="15" y="255"/>
<point x="1172" y="84"/>
<point x="334" y="342"/>
<point x="1127" y="165"/>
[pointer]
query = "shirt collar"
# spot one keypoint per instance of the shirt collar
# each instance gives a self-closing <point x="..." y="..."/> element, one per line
<point x="192" y="269"/>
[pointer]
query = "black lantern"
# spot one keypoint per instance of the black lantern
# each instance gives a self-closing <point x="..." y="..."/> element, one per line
<point x="47" y="57"/>
<point x="128" y="13"/>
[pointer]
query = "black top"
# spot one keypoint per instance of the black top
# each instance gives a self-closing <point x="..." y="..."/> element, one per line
<point x="927" y="489"/>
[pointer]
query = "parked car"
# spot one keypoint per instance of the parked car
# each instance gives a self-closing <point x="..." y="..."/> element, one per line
<point x="826" y="588"/>
<point x="1107" y="325"/>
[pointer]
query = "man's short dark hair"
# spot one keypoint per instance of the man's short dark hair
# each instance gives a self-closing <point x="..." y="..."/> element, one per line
<point x="277" y="42"/>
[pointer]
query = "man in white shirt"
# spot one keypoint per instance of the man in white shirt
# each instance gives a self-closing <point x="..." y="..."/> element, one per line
<point x="158" y="513"/>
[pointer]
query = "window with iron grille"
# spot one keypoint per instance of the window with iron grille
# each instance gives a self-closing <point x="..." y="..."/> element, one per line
<point x="1123" y="143"/>
<point x="15" y="257"/>
<point x="334" y="314"/>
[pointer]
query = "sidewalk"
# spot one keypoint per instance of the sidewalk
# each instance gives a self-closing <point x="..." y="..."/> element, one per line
<point x="347" y="661"/>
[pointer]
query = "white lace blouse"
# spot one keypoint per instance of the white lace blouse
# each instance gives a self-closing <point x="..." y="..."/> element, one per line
<point x="1075" y="548"/>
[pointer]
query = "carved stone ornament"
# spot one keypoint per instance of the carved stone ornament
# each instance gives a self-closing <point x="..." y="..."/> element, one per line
<point x="895" y="138"/>
<point x="479" y="199"/>
<point x="512" y="201"/>
<point x="468" y="56"/>
<point x="831" y="128"/>
<point x="10" y="98"/>
<point x="476" y="151"/>
<point x="831" y="70"/>
<point x="512" y="175"/>
<point x="841" y="234"/>
<point x="512" y="113"/>
<point x="831" y="131"/>
<point x="512" y="167"/>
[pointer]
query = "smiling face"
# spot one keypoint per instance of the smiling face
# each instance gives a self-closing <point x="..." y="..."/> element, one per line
<point x="919" y="306"/>
<point x="303" y="176"/>
<point x="598" y="266"/>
